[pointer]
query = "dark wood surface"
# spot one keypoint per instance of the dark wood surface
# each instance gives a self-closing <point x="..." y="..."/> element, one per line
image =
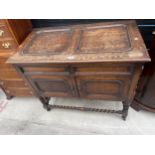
<point x="101" y="42"/>
<point x="12" y="33"/>
<point x="146" y="26"/>
<point x="145" y="96"/>
<point x="19" y="28"/>
<point x="93" y="61"/>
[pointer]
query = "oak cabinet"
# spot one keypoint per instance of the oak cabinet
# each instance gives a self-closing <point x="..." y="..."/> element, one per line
<point x="92" y="61"/>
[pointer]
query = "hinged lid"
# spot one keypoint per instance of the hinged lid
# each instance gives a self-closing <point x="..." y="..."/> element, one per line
<point x="102" y="42"/>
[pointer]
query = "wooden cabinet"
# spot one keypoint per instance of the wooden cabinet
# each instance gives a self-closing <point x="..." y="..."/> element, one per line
<point x="93" y="61"/>
<point x="12" y="33"/>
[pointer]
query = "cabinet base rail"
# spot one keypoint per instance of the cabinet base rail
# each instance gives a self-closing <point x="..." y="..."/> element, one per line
<point x="123" y="112"/>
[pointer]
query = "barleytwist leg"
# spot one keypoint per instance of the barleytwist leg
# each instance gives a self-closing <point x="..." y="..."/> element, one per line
<point x="125" y="110"/>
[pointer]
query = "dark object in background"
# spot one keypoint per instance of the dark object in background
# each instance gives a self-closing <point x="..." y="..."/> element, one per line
<point x="145" y="97"/>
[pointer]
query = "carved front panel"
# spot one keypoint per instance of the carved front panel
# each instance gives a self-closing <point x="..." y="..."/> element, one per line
<point x="110" y="81"/>
<point x="103" y="87"/>
<point x="53" y="86"/>
<point x="96" y="81"/>
<point x="50" y="81"/>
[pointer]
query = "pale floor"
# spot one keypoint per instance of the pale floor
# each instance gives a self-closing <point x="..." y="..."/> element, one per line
<point x="26" y="116"/>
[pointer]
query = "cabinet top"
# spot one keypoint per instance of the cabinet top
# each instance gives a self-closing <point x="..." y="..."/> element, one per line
<point x="100" y="42"/>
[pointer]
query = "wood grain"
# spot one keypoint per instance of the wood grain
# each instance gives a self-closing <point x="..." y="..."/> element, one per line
<point x="103" y="42"/>
<point x="13" y="33"/>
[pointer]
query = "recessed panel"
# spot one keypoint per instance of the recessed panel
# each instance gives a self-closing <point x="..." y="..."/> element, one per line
<point x="105" y="87"/>
<point x="50" y="42"/>
<point x="105" y="39"/>
<point x="52" y="86"/>
<point x="101" y="87"/>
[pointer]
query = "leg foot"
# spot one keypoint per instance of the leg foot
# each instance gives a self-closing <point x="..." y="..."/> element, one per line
<point x="124" y="117"/>
<point x="8" y="97"/>
<point x="125" y="111"/>
<point x="45" y="102"/>
<point x="47" y="107"/>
